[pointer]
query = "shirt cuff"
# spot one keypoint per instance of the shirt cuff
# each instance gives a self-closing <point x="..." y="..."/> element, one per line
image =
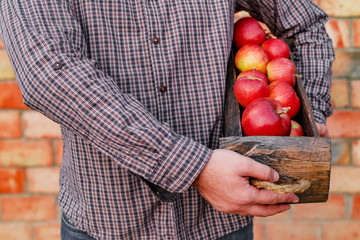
<point x="319" y="117"/>
<point x="181" y="165"/>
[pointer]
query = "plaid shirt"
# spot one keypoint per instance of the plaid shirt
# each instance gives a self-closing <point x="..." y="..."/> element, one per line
<point x="138" y="90"/>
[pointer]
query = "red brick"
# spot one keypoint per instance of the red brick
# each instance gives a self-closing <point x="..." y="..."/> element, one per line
<point x="355" y="211"/>
<point x="18" y="153"/>
<point x="340" y="230"/>
<point x="335" y="8"/>
<point x="42" y="208"/>
<point x="293" y="230"/>
<point x="37" y="125"/>
<point x="356" y="152"/>
<point x="10" y="97"/>
<point x="344" y="123"/>
<point x="340" y="151"/>
<point x="334" y="208"/>
<point x="10" y="124"/>
<point x="43" y="180"/>
<point x="12" y="180"/>
<point x="339" y="93"/>
<point x="258" y="230"/>
<point x="339" y="32"/>
<point x="345" y="180"/>
<point x="316" y="1"/>
<point x="58" y="152"/>
<point x="6" y="70"/>
<point x="356" y="32"/>
<point x="47" y="231"/>
<point x="15" y="231"/>
<point x="346" y="64"/>
<point x="355" y="94"/>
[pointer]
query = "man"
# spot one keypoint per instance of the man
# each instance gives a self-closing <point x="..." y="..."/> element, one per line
<point x="138" y="90"/>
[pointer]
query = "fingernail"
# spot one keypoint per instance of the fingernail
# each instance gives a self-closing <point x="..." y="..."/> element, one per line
<point x="296" y="200"/>
<point x="275" y="176"/>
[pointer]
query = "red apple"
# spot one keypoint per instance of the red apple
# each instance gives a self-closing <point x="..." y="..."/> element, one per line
<point x="285" y="94"/>
<point x="296" y="129"/>
<point x="248" y="30"/>
<point x="254" y="74"/>
<point x="265" y="117"/>
<point x="276" y="48"/>
<point x="247" y="89"/>
<point x="251" y="56"/>
<point x="281" y="69"/>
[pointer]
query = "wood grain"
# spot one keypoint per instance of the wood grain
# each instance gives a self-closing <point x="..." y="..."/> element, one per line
<point x="294" y="158"/>
<point x="232" y="124"/>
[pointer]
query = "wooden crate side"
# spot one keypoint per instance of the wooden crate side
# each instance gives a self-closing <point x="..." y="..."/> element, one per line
<point x="305" y="116"/>
<point x="295" y="158"/>
<point x="232" y="123"/>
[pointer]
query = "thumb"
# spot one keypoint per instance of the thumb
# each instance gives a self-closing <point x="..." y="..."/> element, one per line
<point x="261" y="171"/>
<point x="322" y="129"/>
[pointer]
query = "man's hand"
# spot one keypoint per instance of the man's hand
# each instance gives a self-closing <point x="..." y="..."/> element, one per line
<point x="322" y="129"/>
<point x="224" y="183"/>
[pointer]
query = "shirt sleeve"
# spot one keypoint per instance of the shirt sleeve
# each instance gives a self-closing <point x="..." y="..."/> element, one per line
<point x="47" y="50"/>
<point x="313" y="55"/>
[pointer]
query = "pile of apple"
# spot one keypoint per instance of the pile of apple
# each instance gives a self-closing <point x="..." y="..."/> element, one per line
<point x="265" y="85"/>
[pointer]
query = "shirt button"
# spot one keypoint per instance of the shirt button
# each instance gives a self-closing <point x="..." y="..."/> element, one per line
<point x="163" y="89"/>
<point x="155" y="40"/>
<point x="57" y="66"/>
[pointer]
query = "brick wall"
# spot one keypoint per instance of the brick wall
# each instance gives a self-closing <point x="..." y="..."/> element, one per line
<point x="30" y="155"/>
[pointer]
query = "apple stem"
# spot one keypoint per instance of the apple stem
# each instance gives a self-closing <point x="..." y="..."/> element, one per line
<point x="297" y="75"/>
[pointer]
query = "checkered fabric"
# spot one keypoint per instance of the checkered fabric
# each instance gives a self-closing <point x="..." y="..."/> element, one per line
<point x="138" y="90"/>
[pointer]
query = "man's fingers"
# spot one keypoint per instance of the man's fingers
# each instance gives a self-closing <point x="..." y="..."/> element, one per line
<point x="263" y="196"/>
<point x="322" y="129"/>
<point x="260" y="171"/>
<point x="266" y="210"/>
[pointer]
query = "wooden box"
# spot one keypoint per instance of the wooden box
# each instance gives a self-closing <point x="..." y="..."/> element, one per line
<point x="297" y="159"/>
